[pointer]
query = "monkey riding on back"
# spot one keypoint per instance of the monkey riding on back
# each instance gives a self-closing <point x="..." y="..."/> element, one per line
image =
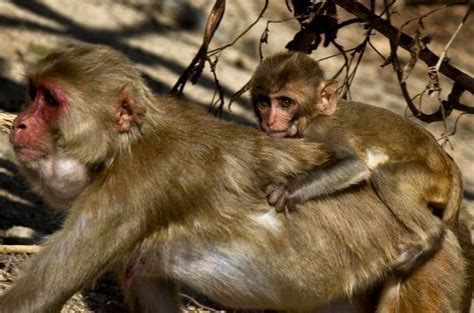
<point x="164" y="194"/>
<point x="409" y="171"/>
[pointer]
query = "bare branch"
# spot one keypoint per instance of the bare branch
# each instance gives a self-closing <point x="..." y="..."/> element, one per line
<point x="344" y="66"/>
<point x="19" y="248"/>
<point x="349" y="22"/>
<point x="446" y="48"/>
<point x="343" y="52"/>
<point x="218" y="103"/>
<point x="406" y="41"/>
<point x="6" y="121"/>
<point x="414" y="53"/>
<point x="197" y="64"/>
<point x="196" y="303"/>
<point x="239" y="93"/>
<point x="266" y="31"/>
<point x="376" y="50"/>
<point x="421" y="17"/>
<point x="260" y="15"/>
<point x="453" y="101"/>
<point x="453" y="132"/>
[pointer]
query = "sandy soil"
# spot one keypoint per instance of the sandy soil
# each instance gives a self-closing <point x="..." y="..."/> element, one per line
<point x="162" y="47"/>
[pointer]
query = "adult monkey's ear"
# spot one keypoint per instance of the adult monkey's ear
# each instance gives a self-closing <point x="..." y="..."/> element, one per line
<point x="127" y="112"/>
<point x="327" y="101"/>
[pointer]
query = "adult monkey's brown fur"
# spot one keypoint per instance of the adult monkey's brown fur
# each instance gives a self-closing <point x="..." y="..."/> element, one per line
<point x="409" y="170"/>
<point x="164" y="194"/>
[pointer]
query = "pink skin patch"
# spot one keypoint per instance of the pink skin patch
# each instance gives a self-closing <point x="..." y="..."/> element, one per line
<point x="29" y="153"/>
<point x="128" y="113"/>
<point x="291" y="131"/>
<point x="30" y="135"/>
<point x="277" y="120"/>
<point x="131" y="270"/>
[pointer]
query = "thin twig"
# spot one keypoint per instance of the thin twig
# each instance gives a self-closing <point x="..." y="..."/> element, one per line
<point x="336" y="54"/>
<point x="197" y="64"/>
<point x="6" y="121"/>
<point x="346" y="60"/>
<point x="434" y="71"/>
<point x="376" y="50"/>
<point x="454" y="97"/>
<point x="455" y="128"/>
<point x="239" y="93"/>
<point x="260" y="15"/>
<point x="389" y="31"/>
<point x="19" y="249"/>
<point x="420" y="17"/>
<point x="446" y="48"/>
<point x="219" y="102"/>
<point x="264" y="35"/>
<point x="359" y="59"/>
<point x="349" y="22"/>
<point x="386" y="9"/>
<point x="395" y="61"/>
<point x="195" y="302"/>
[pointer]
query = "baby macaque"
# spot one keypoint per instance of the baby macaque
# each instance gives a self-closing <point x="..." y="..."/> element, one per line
<point x="409" y="171"/>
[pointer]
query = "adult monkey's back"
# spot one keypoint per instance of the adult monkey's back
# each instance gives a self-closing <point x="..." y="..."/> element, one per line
<point x="164" y="194"/>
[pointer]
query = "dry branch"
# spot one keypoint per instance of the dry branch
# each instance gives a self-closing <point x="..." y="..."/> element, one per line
<point x="6" y="121"/>
<point x="196" y="303"/>
<point x="194" y="69"/>
<point x="19" y="249"/>
<point x="385" y="28"/>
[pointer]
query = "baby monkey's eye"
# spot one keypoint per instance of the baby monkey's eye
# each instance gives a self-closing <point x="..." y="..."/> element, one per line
<point x="286" y="102"/>
<point x="263" y="103"/>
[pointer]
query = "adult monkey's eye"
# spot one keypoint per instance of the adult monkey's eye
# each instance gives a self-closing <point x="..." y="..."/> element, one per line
<point x="286" y="102"/>
<point x="50" y="99"/>
<point x="32" y="90"/>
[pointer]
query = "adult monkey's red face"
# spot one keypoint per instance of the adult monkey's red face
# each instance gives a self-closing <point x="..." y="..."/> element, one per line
<point x="33" y="129"/>
<point x="66" y="130"/>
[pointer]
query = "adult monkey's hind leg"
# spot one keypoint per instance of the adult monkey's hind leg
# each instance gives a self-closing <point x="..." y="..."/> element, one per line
<point x="148" y="294"/>
<point x="408" y="189"/>
<point x="435" y="287"/>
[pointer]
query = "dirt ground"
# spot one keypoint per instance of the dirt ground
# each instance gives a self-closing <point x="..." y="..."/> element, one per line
<point x="162" y="37"/>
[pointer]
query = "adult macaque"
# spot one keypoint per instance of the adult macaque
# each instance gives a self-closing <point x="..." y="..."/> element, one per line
<point x="165" y="194"/>
<point x="409" y="171"/>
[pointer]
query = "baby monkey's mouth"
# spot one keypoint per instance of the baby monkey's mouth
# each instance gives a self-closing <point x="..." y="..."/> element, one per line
<point x="278" y="132"/>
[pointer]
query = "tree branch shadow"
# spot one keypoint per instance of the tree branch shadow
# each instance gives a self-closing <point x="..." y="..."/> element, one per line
<point x="113" y="38"/>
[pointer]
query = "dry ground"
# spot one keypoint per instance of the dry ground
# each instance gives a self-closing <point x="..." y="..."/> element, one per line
<point x="162" y="48"/>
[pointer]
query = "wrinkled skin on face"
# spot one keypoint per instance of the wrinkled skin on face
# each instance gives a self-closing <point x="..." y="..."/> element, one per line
<point x="33" y="129"/>
<point x="33" y="136"/>
<point x="278" y="115"/>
